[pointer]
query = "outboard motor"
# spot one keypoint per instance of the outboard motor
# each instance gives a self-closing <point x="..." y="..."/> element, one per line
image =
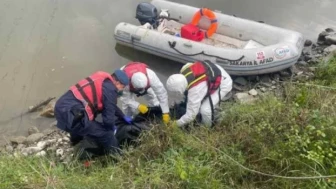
<point x="147" y="13"/>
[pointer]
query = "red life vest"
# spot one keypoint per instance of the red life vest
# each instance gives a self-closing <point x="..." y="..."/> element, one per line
<point x="203" y="71"/>
<point x="132" y="68"/>
<point x="89" y="92"/>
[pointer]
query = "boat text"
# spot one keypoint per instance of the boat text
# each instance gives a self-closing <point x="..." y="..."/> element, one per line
<point x="252" y="62"/>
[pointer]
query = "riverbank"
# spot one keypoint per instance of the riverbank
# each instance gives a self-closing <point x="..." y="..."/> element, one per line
<point x="282" y="123"/>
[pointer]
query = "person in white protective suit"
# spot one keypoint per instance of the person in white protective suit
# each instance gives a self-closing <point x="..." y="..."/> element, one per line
<point x="143" y="82"/>
<point x="197" y="82"/>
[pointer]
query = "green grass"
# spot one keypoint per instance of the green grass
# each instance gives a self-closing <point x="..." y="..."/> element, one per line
<point x="290" y="136"/>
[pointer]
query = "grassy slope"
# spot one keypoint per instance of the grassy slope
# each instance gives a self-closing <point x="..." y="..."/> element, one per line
<point x="291" y="136"/>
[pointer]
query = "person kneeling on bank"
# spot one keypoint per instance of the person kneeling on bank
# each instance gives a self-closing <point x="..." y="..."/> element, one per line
<point x="143" y="82"/>
<point x="77" y="109"/>
<point x="202" y="85"/>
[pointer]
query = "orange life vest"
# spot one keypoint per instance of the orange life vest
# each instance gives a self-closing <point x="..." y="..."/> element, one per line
<point x="89" y="92"/>
<point x="135" y="67"/>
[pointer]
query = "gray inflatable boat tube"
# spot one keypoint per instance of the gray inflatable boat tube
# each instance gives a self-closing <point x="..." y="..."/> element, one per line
<point x="266" y="48"/>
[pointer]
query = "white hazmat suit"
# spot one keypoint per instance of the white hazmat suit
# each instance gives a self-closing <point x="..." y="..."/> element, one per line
<point x="156" y="94"/>
<point x="177" y="85"/>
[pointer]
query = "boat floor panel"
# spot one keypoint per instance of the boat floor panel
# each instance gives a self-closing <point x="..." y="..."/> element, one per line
<point x="172" y="27"/>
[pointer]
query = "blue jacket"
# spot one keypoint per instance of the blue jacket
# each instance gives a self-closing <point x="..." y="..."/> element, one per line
<point x="110" y="109"/>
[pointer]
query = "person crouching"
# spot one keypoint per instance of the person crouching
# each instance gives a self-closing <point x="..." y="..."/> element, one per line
<point x="77" y="109"/>
<point x="203" y="85"/>
<point x="144" y="82"/>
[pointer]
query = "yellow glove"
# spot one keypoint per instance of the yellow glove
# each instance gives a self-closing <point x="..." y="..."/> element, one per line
<point x="142" y="108"/>
<point x="165" y="118"/>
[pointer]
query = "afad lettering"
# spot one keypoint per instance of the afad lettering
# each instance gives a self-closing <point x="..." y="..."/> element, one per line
<point x="252" y="63"/>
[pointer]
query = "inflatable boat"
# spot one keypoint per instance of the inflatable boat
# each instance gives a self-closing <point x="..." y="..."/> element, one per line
<point x="187" y="34"/>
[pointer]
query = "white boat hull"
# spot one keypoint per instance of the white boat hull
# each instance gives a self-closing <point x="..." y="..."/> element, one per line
<point x="280" y="48"/>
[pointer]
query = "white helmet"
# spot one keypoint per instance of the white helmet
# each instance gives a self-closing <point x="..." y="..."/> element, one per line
<point x="176" y="86"/>
<point x="177" y="83"/>
<point x="139" y="80"/>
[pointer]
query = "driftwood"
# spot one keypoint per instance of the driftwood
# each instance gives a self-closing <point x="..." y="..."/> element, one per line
<point x="30" y="110"/>
<point x="39" y="105"/>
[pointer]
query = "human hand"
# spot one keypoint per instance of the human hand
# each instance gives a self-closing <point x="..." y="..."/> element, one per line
<point x="128" y="119"/>
<point x="166" y="118"/>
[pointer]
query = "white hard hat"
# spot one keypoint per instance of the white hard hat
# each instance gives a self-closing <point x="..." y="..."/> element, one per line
<point x="139" y="80"/>
<point x="177" y="83"/>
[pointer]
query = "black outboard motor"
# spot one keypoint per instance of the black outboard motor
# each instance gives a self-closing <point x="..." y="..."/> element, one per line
<point x="146" y="12"/>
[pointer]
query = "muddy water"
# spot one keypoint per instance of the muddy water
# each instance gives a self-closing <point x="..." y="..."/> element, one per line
<point x="47" y="45"/>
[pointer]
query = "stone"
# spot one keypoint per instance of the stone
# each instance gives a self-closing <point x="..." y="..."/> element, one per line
<point x="329" y="30"/>
<point x="238" y="88"/>
<point x="9" y="148"/>
<point x="263" y="89"/>
<point x="317" y="56"/>
<point x="265" y="79"/>
<point x="293" y="69"/>
<point x="48" y="131"/>
<point x="276" y="77"/>
<point x="330" y="49"/>
<point x="307" y="51"/>
<point x="302" y="63"/>
<point x="329" y="56"/>
<point x="32" y="130"/>
<point x="41" y="154"/>
<point x="59" y="152"/>
<point x="285" y="73"/>
<point x="308" y="43"/>
<point x="266" y="84"/>
<point x="30" y="150"/>
<point x="308" y="57"/>
<point x="312" y="69"/>
<point x="18" y="140"/>
<point x="34" y="138"/>
<point x="299" y="73"/>
<point x="244" y="98"/>
<point x="66" y="139"/>
<point x="42" y="144"/>
<point x="322" y="35"/>
<point x="253" y="78"/>
<point x="241" y="81"/>
<point x="331" y="39"/>
<point x="253" y="92"/>
<point x="20" y="146"/>
<point x="313" y="61"/>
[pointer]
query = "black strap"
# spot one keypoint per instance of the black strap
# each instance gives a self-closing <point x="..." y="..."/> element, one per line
<point x="86" y="98"/>
<point x="94" y="92"/>
<point x="173" y="44"/>
<point x="211" y="104"/>
<point x="213" y="72"/>
<point x="138" y="94"/>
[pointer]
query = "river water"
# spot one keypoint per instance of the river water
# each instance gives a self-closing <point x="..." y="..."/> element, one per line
<point x="48" y="45"/>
